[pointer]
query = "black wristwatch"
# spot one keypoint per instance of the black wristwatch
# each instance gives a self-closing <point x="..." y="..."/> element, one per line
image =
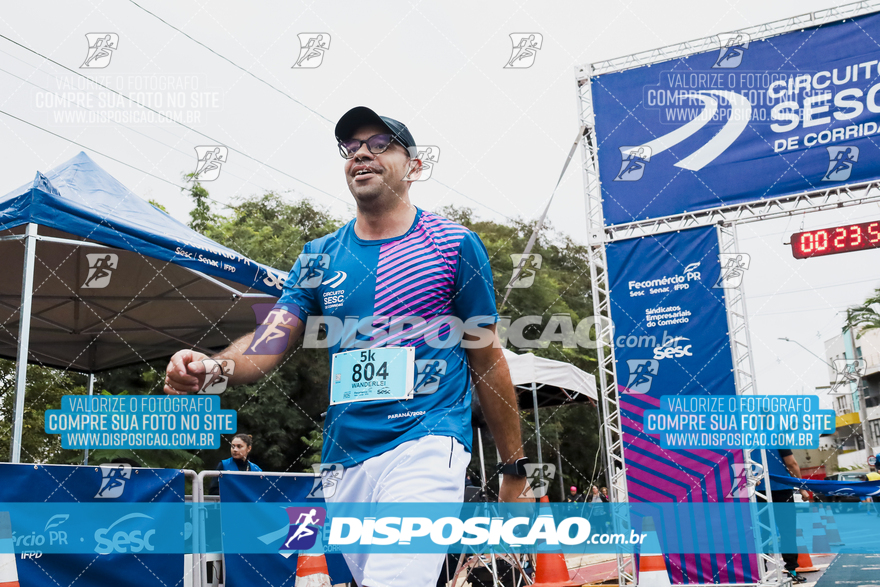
<point x="517" y="468"/>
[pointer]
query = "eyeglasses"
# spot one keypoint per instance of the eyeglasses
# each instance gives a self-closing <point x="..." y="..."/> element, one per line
<point x="377" y="144"/>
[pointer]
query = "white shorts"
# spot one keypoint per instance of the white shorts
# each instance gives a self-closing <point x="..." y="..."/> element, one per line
<point x="430" y="469"/>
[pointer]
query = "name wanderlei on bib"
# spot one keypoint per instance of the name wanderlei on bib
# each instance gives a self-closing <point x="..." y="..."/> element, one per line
<point x="372" y="374"/>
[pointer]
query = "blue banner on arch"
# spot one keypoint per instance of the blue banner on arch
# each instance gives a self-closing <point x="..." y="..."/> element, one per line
<point x="750" y="120"/>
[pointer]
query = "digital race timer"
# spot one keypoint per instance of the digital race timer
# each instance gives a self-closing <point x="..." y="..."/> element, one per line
<point x="842" y="239"/>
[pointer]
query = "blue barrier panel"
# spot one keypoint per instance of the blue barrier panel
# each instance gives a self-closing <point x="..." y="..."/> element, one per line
<point x="270" y="569"/>
<point x="128" y="560"/>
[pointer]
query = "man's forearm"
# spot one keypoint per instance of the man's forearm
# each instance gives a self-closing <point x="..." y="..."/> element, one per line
<point x="250" y="368"/>
<point x="498" y="400"/>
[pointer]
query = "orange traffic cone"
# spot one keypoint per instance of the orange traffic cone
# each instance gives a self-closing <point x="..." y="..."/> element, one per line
<point x="311" y="571"/>
<point x="652" y="565"/>
<point x="550" y="567"/>
<point x="805" y="563"/>
<point x="8" y="569"/>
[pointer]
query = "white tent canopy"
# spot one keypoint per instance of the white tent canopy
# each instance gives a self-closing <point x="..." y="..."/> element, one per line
<point x="569" y="381"/>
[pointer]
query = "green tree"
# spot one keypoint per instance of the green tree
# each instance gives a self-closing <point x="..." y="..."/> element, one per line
<point x="866" y="316"/>
<point x="283" y="411"/>
<point x="43" y="391"/>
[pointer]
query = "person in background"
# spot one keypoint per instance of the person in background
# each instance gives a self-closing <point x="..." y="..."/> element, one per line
<point x="240" y="449"/>
<point x="604" y="491"/>
<point x="596" y="496"/>
<point x="781" y="462"/>
<point x="574" y="496"/>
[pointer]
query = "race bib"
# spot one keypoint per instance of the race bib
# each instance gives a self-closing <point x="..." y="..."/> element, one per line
<point x="372" y="374"/>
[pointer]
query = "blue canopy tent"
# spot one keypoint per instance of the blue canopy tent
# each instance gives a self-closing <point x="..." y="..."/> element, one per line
<point x="109" y="280"/>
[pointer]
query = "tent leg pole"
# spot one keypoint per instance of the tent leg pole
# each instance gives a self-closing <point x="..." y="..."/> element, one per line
<point x="91" y="391"/>
<point x="559" y="473"/>
<point x="538" y="431"/>
<point x="24" y="332"/>
<point x="483" y="486"/>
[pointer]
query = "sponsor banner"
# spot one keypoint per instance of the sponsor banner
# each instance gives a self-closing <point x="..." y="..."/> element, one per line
<point x="666" y="285"/>
<point x="124" y="550"/>
<point x="749" y="121"/>
<point x="285" y="530"/>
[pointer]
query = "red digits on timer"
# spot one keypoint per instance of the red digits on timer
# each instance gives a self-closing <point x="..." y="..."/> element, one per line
<point x="841" y="239"/>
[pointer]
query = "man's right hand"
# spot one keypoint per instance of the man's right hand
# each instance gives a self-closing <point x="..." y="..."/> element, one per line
<point x="185" y="373"/>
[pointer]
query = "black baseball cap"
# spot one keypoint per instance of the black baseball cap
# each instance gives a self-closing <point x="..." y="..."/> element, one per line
<point x="362" y="116"/>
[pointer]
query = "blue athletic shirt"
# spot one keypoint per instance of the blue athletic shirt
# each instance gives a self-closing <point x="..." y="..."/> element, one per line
<point x="437" y="269"/>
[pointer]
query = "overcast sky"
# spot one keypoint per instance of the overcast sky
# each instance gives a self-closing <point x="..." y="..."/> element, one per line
<point x="503" y="134"/>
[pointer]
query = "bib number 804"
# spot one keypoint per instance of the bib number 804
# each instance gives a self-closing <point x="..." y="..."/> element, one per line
<point x="366" y="368"/>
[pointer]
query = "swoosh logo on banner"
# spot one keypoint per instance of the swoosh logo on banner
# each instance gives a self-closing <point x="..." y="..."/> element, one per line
<point x="740" y="114"/>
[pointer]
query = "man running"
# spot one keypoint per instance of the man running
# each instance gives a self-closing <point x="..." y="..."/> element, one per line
<point x="406" y="271"/>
